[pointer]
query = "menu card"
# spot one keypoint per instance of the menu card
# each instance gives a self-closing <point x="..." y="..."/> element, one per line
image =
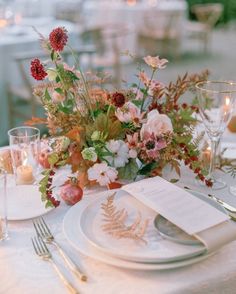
<point x="177" y="205"/>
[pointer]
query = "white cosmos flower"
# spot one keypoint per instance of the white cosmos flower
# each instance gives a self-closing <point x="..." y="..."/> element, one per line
<point x="120" y="152"/>
<point x="102" y="173"/>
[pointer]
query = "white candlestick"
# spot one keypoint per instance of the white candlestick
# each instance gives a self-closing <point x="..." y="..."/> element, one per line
<point x="24" y="175"/>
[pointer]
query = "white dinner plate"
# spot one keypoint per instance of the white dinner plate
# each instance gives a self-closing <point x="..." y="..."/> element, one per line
<point x="156" y="250"/>
<point x="24" y="202"/>
<point x="72" y="231"/>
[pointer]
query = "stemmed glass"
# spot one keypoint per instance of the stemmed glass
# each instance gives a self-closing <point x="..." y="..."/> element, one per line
<point x="216" y="104"/>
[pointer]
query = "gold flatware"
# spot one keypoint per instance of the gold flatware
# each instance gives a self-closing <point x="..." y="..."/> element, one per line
<point x="43" y="252"/>
<point x="44" y="232"/>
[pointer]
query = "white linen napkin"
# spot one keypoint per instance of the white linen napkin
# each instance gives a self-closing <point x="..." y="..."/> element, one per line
<point x="193" y="215"/>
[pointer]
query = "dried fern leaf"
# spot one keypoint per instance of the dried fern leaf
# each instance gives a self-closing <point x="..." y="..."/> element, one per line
<point x="115" y="222"/>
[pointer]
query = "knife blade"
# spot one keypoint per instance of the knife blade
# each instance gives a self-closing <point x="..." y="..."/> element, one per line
<point x="224" y="204"/>
<point x="227" y="206"/>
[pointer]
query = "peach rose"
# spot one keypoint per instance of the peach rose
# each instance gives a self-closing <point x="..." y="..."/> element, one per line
<point x="156" y="124"/>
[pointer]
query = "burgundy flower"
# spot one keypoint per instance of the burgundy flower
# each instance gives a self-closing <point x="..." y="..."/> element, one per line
<point x="37" y="70"/>
<point x="58" y="38"/>
<point x="118" y="99"/>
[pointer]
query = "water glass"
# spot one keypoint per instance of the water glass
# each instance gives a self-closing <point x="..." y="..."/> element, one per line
<point x="25" y="149"/>
<point x="3" y="205"/>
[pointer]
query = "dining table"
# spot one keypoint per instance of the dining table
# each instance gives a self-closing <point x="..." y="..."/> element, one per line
<point x="22" y="272"/>
<point x="133" y="15"/>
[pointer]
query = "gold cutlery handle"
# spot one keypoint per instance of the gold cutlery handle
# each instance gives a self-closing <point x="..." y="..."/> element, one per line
<point x="70" y="263"/>
<point x="68" y="285"/>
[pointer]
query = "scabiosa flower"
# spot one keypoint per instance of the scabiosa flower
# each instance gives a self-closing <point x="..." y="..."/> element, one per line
<point x="118" y="99"/>
<point x="58" y="38"/>
<point x="102" y="173"/>
<point x="37" y="70"/>
<point x="120" y="152"/>
<point x="151" y="145"/>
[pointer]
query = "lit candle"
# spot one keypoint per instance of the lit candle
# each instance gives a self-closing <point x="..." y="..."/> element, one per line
<point x="206" y="157"/>
<point x="226" y="105"/>
<point x="3" y="23"/>
<point x="24" y="175"/>
<point x="131" y="2"/>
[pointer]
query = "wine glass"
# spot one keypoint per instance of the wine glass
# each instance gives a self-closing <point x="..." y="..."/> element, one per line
<point x="216" y="104"/>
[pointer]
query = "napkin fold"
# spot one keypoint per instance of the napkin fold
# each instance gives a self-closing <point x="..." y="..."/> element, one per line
<point x="216" y="237"/>
<point x="193" y="215"/>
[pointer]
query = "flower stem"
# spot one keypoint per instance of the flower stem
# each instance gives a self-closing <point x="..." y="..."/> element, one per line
<point x="147" y="88"/>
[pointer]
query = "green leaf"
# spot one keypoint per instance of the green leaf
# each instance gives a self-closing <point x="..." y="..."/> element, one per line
<point x="42" y="189"/>
<point x="53" y="158"/>
<point x="129" y="171"/>
<point x="134" y="85"/>
<point x="47" y="96"/>
<point x="174" y="181"/>
<point x="46" y="172"/>
<point x="59" y="90"/>
<point x="48" y="204"/>
<point x="52" y="55"/>
<point x="137" y="103"/>
<point x="146" y="169"/>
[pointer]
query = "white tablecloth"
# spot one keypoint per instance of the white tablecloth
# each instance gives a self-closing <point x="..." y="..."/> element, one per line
<point x="22" y="272"/>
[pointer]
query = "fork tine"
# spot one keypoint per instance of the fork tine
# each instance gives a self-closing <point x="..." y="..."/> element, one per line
<point x="43" y="245"/>
<point x="35" y="248"/>
<point x="36" y="240"/>
<point x="36" y="228"/>
<point x="43" y="227"/>
<point x="46" y="226"/>
<point x="41" y="232"/>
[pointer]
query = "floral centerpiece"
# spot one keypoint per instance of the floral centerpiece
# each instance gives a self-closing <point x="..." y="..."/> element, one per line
<point x="110" y="135"/>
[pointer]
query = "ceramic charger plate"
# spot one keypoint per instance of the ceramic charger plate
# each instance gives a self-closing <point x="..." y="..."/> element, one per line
<point x="24" y="202"/>
<point x="86" y="218"/>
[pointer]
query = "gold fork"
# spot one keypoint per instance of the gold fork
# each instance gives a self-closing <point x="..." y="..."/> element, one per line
<point x="43" y="252"/>
<point x="44" y="232"/>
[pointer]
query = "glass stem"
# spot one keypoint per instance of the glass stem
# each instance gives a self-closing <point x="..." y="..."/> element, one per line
<point x="214" y="145"/>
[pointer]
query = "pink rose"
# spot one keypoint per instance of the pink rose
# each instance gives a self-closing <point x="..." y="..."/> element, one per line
<point x="156" y="124"/>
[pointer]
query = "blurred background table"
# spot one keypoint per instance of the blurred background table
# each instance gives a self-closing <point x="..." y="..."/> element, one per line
<point x="17" y="39"/>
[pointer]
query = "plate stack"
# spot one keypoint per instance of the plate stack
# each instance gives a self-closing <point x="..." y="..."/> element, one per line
<point x="166" y="246"/>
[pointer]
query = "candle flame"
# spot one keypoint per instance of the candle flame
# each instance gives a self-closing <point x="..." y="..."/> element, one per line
<point x="24" y="158"/>
<point x="131" y="2"/>
<point x="3" y="23"/>
<point x="227" y="101"/>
